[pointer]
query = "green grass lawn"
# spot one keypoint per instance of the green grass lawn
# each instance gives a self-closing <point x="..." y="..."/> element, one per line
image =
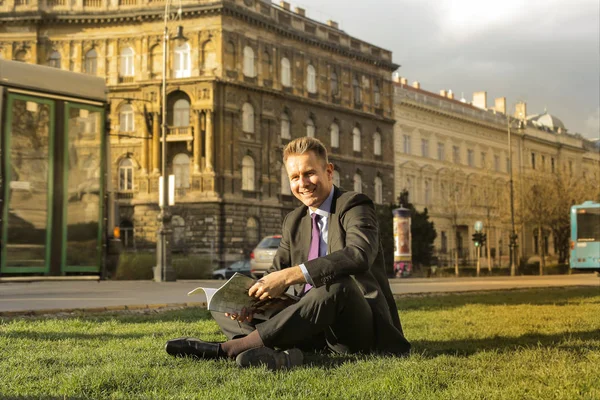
<point x="533" y="344"/>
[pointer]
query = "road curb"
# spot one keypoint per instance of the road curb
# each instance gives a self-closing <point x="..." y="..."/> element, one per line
<point x="93" y="310"/>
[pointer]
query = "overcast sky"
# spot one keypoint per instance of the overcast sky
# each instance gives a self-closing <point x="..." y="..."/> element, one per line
<point x="546" y="53"/>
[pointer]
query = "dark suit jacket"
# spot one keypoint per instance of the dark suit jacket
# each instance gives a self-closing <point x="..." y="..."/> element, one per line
<point x="354" y="250"/>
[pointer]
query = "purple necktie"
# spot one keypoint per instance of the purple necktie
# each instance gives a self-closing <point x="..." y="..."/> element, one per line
<point x="315" y="240"/>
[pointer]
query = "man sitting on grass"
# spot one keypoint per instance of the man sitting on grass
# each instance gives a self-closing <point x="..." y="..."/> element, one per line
<point x="331" y="255"/>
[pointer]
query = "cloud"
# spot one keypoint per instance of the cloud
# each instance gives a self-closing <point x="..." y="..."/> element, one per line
<point x="592" y="125"/>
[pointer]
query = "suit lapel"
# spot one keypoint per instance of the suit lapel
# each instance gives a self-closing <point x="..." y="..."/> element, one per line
<point x="305" y="234"/>
<point x="333" y="234"/>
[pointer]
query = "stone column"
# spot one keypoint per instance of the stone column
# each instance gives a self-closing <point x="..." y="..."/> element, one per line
<point x="197" y="142"/>
<point x="209" y="141"/>
<point x="155" y="143"/>
<point x="145" y="138"/>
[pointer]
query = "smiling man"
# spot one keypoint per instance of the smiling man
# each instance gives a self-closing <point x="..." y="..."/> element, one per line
<point x="330" y="255"/>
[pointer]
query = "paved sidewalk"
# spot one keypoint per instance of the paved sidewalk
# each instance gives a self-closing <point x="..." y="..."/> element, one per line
<point x="54" y="296"/>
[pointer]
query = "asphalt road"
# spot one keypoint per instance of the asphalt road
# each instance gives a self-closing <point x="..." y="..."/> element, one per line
<point x="54" y="295"/>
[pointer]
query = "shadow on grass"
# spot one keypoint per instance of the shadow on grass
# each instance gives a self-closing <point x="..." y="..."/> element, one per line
<point x="566" y="341"/>
<point x="543" y="296"/>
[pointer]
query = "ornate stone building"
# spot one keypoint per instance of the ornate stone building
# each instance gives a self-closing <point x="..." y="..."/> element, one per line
<point x="452" y="157"/>
<point x="249" y="76"/>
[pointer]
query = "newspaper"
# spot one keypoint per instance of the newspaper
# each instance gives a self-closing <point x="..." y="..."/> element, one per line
<point x="232" y="297"/>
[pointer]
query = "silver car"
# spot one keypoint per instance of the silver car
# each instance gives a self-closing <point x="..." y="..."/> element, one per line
<point x="262" y="256"/>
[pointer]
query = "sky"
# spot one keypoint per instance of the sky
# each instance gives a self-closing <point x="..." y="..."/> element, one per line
<point x="545" y="53"/>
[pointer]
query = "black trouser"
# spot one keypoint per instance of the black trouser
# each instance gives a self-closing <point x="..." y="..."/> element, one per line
<point x="335" y="316"/>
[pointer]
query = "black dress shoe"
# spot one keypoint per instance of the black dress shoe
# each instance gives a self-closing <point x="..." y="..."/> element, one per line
<point x="190" y="347"/>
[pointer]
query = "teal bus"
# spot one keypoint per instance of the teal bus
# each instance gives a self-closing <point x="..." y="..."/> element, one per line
<point x="585" y="236"/>
<point x="55" y="192"/>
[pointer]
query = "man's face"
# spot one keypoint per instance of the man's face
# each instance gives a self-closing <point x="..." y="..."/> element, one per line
<point x="311" y="178"/>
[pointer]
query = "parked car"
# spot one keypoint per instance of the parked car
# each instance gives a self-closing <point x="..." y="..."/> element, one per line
<point x="262" y="256"/>
<point x="242" y="267"/>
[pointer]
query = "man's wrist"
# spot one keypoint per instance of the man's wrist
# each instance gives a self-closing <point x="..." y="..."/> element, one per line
<point x="294" y="275"/>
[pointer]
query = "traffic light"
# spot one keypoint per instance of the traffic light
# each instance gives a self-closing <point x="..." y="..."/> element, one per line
<point x="477" y="239"/>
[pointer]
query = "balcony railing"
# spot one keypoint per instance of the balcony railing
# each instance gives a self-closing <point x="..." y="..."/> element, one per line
<point x="179" y="133"/>
<point x="92" y="3"/>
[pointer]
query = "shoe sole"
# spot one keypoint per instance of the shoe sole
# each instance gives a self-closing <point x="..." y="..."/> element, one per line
<point x="272" y="359"/>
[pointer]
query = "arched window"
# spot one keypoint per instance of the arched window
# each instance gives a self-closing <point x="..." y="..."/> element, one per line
<point x="356" y="139"/>
<point x="310" y="128"/>
<point x="334" y="83"/>
<point x="181" y="113"/>
<point x="285" y="126"/>
<point x="125" y="175"/>
<point x="182" y="63"/>
<point x="181" y="170"/>
<point x="249" y="62"/>
<point x="357" y="183"/>
<point x="378" y="186"/>
<point x="230" y="56"/>
<point x="376" y="95"/>
<point x="266" y="66"/>
<point x="252" y="232"/>
<point x="286" y="73"/>
<point x="127" y="58"/>
<point x="377" y="143"/>
<point x="209" y="56"/>
<point x="336" y="178"/>
<point x="335" y="135"/>
<point x="178" y="226"/>
<point x="90" y="62"/>
<point x="311" y="79"/>
<point x="54" y="59"/>
<point x="285" y="182"/>
<point x="356" y="90"/>
<point x="126" y="118"/>
<point x="126" y="230"/>
<point x="248" y="118"/>
<point x="247" y="173"/>
<point x="156" y="61"/>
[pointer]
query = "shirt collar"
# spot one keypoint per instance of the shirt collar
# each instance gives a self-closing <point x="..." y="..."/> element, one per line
<point x="325" y="208"/>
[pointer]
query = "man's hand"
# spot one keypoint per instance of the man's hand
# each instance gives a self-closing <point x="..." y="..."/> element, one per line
<point x="274" y="284"/>
<point x="244" y="316"/>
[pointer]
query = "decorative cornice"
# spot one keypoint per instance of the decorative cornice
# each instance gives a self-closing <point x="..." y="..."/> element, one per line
<point x="139" y="15"/>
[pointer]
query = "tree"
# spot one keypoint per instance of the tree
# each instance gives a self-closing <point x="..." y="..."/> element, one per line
<point x="537" y="207"/>
<point x="454" y="197"/>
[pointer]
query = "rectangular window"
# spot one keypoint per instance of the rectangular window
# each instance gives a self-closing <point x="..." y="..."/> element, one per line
<point x="425" y="147"/>
<point x="455" y="154"/>
<point x="483" y="159"/>
<point x="497" y="163"/>
<point x="543" y="164"/>
<point x="532" y="160"/>
<point x="470" y="158"/>
<point x="444" y="248"/>
<point x="571" y="168"/>
<point x="552" y="164"/>
<point x="406" y="144"/>
<point x="441" y="152"/>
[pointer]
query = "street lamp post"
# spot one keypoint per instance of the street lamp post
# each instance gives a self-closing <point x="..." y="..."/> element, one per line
<point x="512" y="244"/>
<point x="164" y="272"/>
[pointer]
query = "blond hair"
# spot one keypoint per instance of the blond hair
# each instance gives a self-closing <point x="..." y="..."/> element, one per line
<point x="304" y="145"/>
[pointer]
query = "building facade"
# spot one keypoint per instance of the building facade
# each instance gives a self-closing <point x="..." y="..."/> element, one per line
<point x="247" y="77"/>
<point x="452" y="156"/>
